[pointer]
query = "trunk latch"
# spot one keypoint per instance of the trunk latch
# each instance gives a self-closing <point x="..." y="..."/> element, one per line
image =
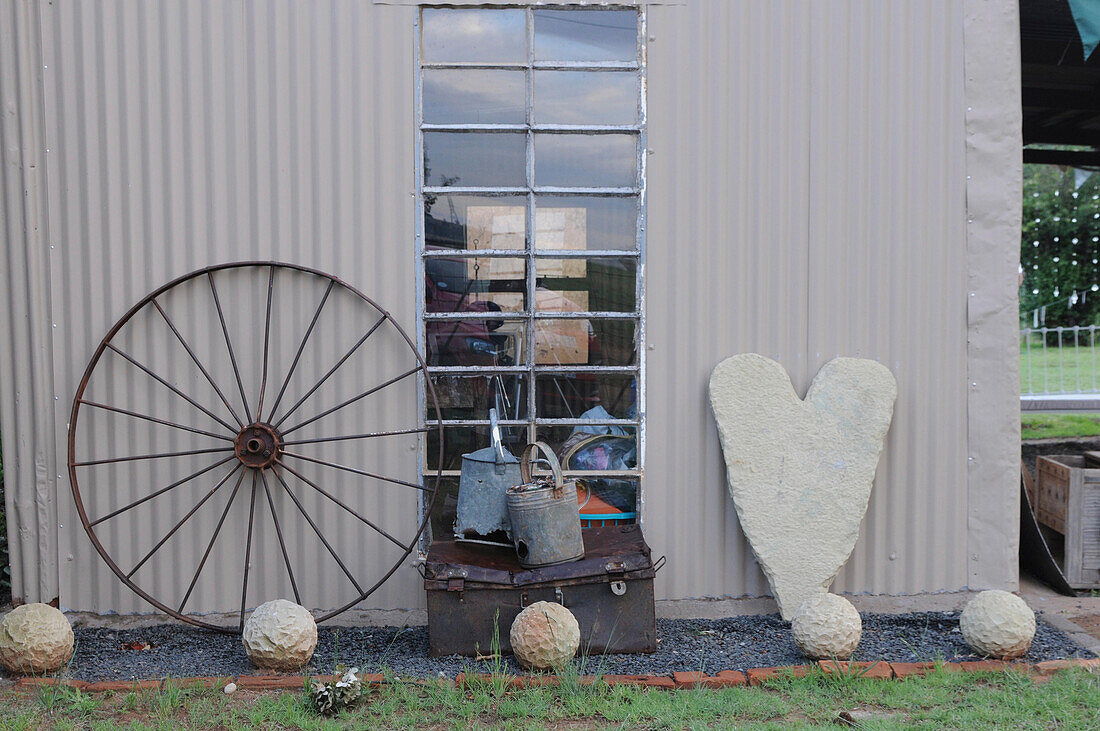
<point x="456" y="579"/>
<point x="616" y="571"/>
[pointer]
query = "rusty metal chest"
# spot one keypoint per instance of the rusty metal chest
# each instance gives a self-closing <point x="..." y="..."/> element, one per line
<point x="476" y="590"/>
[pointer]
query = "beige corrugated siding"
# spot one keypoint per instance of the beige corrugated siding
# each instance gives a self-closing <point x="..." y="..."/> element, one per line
<point x="807" y="197"/>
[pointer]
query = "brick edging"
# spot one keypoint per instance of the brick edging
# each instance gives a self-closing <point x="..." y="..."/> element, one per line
<point x="880" y="670"/>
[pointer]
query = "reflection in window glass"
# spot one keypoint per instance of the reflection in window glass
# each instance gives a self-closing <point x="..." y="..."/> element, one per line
<point x="579" y="285"/>
<point x="470" y="397"/>
<point x="476" y="159"/>
<point x="586" y="35"/>
<point x="584" y="342"/>
<point x="586" y="395"/>
<point x="465" y="35"/>
<point x="475" y="342"/>
<point x="585" y="160"/>
<point x="474" y="96"/>
<point x="586" y="97"/>
<point x="586" y="222"/>
<point x="474" y="222"/>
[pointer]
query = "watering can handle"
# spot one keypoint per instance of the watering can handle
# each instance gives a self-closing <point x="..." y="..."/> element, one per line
<point x="555" y="467"/>
<point x="494" y="434"/>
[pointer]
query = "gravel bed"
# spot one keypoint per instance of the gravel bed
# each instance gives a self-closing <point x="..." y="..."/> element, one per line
<point x="710" y="645"/>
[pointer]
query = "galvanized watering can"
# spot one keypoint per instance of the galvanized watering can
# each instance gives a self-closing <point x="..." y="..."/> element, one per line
<point x="546" y="525"/>
<point x="486" y="476"/>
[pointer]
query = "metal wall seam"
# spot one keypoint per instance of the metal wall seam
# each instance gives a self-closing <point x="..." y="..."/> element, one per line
<point x="993" y="211"/>
<point x="26" y="386"/>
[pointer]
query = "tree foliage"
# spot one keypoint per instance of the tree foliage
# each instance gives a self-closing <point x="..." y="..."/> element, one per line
<point x="1060" y="246"/>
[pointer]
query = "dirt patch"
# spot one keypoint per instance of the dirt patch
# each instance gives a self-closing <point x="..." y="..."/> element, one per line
<point x="1088" y="622"/>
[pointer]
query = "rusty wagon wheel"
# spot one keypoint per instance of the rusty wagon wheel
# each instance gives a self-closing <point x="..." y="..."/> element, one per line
<point x="251" y="436"/>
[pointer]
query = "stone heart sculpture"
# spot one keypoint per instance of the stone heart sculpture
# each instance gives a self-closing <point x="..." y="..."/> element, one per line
<point x="800" y="471"/>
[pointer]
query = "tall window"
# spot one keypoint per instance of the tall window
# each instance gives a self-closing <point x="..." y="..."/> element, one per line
<point x="530" y="239"/>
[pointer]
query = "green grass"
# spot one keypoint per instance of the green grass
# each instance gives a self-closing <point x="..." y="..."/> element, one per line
<point x="942" y="700"/>
<point x="1049" y="426"/>
<point x="1054" y="370"/>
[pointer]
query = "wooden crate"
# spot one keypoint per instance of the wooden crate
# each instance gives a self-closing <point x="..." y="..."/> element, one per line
<point x="1069" y="503"/>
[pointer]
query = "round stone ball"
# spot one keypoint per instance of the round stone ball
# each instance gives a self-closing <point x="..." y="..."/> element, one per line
<point x="826" y="626"/>
<point x="280" y="635"/>
<point x="545" y="636"/>
<point x="35" y="639"/>
<point x="998" y="624"/>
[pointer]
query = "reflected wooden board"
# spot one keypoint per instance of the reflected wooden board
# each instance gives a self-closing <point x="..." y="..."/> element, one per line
<point x="503" y="227"/>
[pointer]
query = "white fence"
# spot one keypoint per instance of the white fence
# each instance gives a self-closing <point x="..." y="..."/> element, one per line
<point x="1058" y="363"/>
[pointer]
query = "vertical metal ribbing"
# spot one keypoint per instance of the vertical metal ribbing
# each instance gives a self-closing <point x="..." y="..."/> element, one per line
<point x="529" y="239"/>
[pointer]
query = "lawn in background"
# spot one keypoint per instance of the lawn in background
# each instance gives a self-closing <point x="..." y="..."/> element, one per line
<point x="1063" y="426"/>
<point x="1067" y="700"/>
<point x="1059" y="370"/>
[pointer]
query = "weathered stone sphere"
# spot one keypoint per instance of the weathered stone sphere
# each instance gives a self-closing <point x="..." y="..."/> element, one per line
<point x="280" y="635"/>
<point x="545" y="636"/>
<point x="35" y="639"/>
<point x="826" y="626"/>
<point x="998" y="624"/>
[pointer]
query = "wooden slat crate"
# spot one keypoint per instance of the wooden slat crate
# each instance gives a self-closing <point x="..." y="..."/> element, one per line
<point x="1069" y="503"/>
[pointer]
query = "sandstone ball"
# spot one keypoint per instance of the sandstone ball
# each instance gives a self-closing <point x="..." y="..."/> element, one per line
<point x="545" y="636"/>
<point x="826" y="626"/>
<point x="35" y="639"/>
<point x="998" y="624"/>
<point x="280" y="635"/>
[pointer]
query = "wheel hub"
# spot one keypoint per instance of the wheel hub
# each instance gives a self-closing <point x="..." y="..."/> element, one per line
<point x="258" y="446"/>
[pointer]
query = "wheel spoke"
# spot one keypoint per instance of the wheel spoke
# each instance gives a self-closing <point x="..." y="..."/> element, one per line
<point x="358" y="471"/>
<point x="316" y="487"/>
<point x="175" y="390"/>
<point x="213" y="538"/>
<point x="155" y="420"/>
<point x="267" y="341"/>
<point x="248" y="548"/>
<point x="332" y="552"/>
<point x="279" y="533"/>
<point x="294" y="363"/>
<point x="368" y="435"/>
<point x="228" y="342"/>
<point x="182" y="520"/>
<point x="195" y="358"/>
<point x="163" y="455"/>
<point x="331" y="371"/>
<point x="161" y="491"/>
<point x="352" y="400"/>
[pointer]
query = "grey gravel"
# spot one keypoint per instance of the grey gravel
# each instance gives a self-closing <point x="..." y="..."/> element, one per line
<point x="710" y="645"/>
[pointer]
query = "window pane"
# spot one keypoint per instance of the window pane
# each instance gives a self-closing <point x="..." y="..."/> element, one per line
<point x="471" y="397"/>
<point x="585" y="160"/>
<point x="474" y="96"/>
<point x="586" y="97"/>
<point x="460" y="440"/>
<point x="474" y="222"/>
<point x="585" y="285"/>
<point x="586" y="395"/>
<point x="477" y="159"/>
<point x="474" y="342"/>
<point x="474" y="36"/>
<point x="584" y="342"/>
<point x="586" y="35"/>
<point x="475" y="285"/>
<point x="585" y="222"/>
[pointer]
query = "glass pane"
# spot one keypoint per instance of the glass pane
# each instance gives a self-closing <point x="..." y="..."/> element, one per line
<point x="586" y="35"/>
<point x="460" y="440"/>
<point x="586" y="160"/>
<point x="474" y="36"/>
<point x="586" y="396"/>
<point x="445" y="508"/>
<point x="474" y="284"/>
<point x="592" y="222"/>
<point x="477" y="159"/>
<point x="471" y="397"/>
<point x="474" y="222"/>
<point x="585" y="97"/>
<point x="586" y="285"/>
<point x="474" y="96"/>
<point x="584" y="342"/>
<point x="475" y="342"/>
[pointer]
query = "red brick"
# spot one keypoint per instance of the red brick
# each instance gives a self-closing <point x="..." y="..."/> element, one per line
<point x="759" y="675"/>
<point x="625" y="679"/>
<point x="688" y="679"/>
<point x="871" y="670"/>
<point x="992" y="666"/>
<point x="1051" y="666"/>
<point x="905" y="669"/>
<point x="725" y="679"/>
<point x="270" y="682"/>
<point x="30" y="682"/>
<point x="659" y="681"/>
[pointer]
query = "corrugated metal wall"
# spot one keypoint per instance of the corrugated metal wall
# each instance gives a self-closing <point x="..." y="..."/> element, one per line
<point x="807" y="198"/>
